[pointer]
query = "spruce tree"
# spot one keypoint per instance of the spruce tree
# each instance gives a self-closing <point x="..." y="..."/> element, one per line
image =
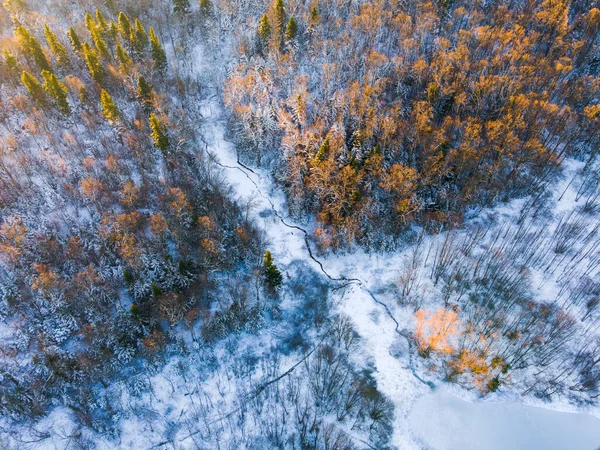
<point x="89" y="22"/>
<point x="139" y="38"/>
<point x="291" y="29"/>
<point x="124" y="26"/>
<point x="14" y="68"/>
<point x="101" y="21"/>
<point x="59" y="50"/>
<point x="123" y="56"/>
<point x="271" y="274"/>
<point x="109" y="109"/>
<point x="112" y="33"/>
<point x="280" y="16"/>
<point x="144" y="92"/>
<point x="94" y="64"/>
<point x="158" y="53"/>
<point x="205" y="7"/>
<point x="181" y="6"/>
<point x="57" y="91"/>
<point x="159" y="136"/>
<point x="34" y="88"/>
<point x="100" y="43"/>
<point x="74" y="39"/>
<point x="264" y="28"/>
<point x="31" y="46"/>
<point x="323" y="151"/>
<point x="314" y="16"/>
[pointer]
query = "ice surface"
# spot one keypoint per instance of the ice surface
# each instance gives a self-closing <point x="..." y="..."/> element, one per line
<point x="443" y="421"/>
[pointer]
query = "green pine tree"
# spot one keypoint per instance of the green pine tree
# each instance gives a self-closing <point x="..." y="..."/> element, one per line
<point x="291" y="29"/>
<point x="101" y="21"/>
<point x="74" y="39"/>
<point x="205" y="7"/>
<point x="57" y="91"/>
<point x="124" y="26"/>
<point x="90" y="24"/>
<point x="144" y="92"/>
<point x="139" y="38"/>
<point x="109" y="109"/>
<point x="323" y="151"/>
<point x="181" y="6"/>
<point x="14" y="68"/>
<point x="59" y="50"/>
<point x="94" y="64"/>
<point x="159" y="136"/>
<point x="112" y="33"/>
<point x="123" y="57"/>
<point x="280" y="16"/>
<point x="31" y="46"/>
<point x="264" y="28"/>
<point x="271" y="274"/>
<point x="100" y="43"/>
<point x="34" y="88"/>
<point x="158" y="53"/>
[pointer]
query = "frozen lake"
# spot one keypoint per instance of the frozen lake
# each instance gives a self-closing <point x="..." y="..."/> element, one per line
<point x="445" y="422"/>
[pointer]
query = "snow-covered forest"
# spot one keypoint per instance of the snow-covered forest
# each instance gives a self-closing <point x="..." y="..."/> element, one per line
<point x="292" y="224"/>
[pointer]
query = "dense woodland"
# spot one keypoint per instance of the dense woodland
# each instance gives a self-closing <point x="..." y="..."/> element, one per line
<point x="379" y="114"/>
<point x="389" y="126"/>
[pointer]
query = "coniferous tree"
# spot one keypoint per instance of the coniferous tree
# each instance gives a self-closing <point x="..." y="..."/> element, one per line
<point x="30" y="45"/>
<point x="159" y="136"/>
<point x="144" y="92"/>
<point x="323" y="151"/>
<point x="100" y="43"/>
<point x="139" y="38"/>
<point x="291" y="29"/>
<point x="101" y="23"/>
<point x="264" y="28"/>
<point x="89" y="22"/>
<point x="109" y="109"/>
<point x="14" y="68"/>
<point x="112" y="33"/>
<point x="280" y="16"/>
<point x="57" y="91"/>
<point x="205" y="7"/>
<point x="157" y="51"/>
<point x="74" y="39"/>
<point x="123" y="56"/>
<point x="181" y="6"/>
<point x="124" y="26"/>
<point x="94" y="64"/>
<point x="59" y="50"/>
<point x="271" y="273"/>
<point x="34" y="88"/>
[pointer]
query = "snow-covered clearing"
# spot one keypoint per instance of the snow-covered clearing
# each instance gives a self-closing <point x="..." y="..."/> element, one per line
<point x="440" y="419"/>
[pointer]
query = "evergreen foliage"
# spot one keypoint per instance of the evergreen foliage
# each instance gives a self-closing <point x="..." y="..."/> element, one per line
<point x="124" y="26"/>
<point x="74" y="40"/>
<point x="109" y="109"/>
<point x="157" y="52"/>
<point x="57" y="91"/>
<point x="94" y="64"/>
<point x="34" y="88"/>
<point x="159" y="135"/>
<point x="31" y="46"/>
<point x="59" y="50"/>
<point x="291" y="29"/>
<point x="272" y="276"/>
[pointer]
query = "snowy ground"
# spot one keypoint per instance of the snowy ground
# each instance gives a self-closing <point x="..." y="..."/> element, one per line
<point x="456" y="420"/>
<point x="448" y="418"/>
